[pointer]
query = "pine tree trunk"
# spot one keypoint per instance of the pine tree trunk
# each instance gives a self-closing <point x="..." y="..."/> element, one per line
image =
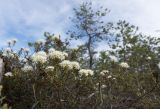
<point x="90" y="53"/>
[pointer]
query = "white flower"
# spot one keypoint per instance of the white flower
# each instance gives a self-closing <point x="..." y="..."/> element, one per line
<point x="75" y="65"/>
<point x="66" y="64"/>
<point x="27" y="68"/>
<point x="113" y="58"/>
<point x="8" y="53"/>
<point x="39" y="57"/>
<point x="69" y="65"/>
<point x="86" y="72"/>
<point x="103" y="72"/>
<point x="149" y="58"/>
<point x="129" y="45"/>
<point x="124" y="65"/>
<point x="8" y="74"/>
<point x="49" y="68"/>
<point x="109" y="76"/>
<point x="57" y="55"/>
<point x="114" y="78"/>
<point x="107" y="53"/>
<point x="103" y="86"/>
<point x="156" y="51"/>
<point x="158" y="65"/>
<point x="65" y="54"/>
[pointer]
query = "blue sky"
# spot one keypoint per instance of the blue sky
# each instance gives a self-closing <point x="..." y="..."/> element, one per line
<point x="27" y="20"/>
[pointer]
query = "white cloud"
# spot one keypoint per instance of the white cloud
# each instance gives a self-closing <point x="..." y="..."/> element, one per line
<point x="143" y="13"/>
<point x="31" y="18"/>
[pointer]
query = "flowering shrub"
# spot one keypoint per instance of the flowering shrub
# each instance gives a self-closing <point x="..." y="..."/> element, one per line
<point x="39" y="57"/>
<point x="27" y="68"/>
<point x="48" y="75"/>
<point x="43" y="75"/>
<point x="53" y="54"/>
<point x="86" y="72"/>
<point x="124" y="65"/>
<point x="69" y="65"/>
<point x="49" y="68"/>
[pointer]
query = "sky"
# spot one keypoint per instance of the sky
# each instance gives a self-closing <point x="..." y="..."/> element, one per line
<point x="27" y="20"/>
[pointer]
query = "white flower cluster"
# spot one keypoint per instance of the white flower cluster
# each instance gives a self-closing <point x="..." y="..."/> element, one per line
<point x="124" y="65"/>
<point x="8" y="53"/>
<point x="65" y="54"/>
<point x="111" y="77"/>
<point x="106" y="53"/>
<point x="113" y="58"/>
<point x="27" y="68"/>
<point x="86" y="72"/>
<point x="149" y="58"/>
<point x="104" y="72"/>
<point x="8" y="74"/>
<point x="103" y="86"/>
<point x="75" y="65"/>
<point x="39" y="57"/>
<point x="54" y="54"/>
<point x="129" y="45"/>
<point x="69" y="65"/>
<point x="49" y="68"/>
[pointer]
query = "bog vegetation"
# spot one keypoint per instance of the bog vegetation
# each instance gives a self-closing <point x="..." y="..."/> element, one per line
<point x="50" y="74"/>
